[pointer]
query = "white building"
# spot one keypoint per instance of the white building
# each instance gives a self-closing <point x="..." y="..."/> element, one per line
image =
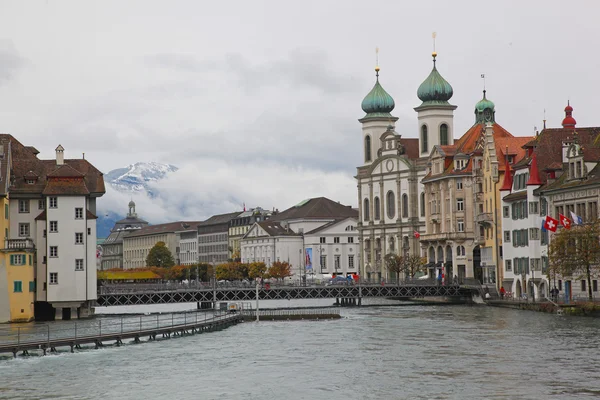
<point x="188" y="246"/>
<point x="55" y="205"/>
<point x="317" y="236"/>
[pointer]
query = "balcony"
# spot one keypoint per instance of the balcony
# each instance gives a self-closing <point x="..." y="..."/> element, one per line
<point x="484" y="218"/>
<point x="434" y="237"/>
<point x="18" y="245"/>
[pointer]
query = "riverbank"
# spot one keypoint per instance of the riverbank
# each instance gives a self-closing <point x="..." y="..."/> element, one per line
<point x="585" y="309"/>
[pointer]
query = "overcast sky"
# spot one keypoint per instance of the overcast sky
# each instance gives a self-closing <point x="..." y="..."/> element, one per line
<point x="258" y="101"/>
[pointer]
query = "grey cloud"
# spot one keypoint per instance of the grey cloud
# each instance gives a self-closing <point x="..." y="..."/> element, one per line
<point x="10" y="61"/>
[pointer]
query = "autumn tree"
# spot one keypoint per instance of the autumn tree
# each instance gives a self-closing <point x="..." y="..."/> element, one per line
<point x="280" y="270"/>
<point x="160" y="256"/>
<point x="257" y="270"/>
<point x="575" y="252"/>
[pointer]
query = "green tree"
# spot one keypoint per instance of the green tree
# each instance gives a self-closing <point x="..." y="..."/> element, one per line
<point x="160" y="256"/>
<point x="414" y="264"/>
<point x="575" y="253"/>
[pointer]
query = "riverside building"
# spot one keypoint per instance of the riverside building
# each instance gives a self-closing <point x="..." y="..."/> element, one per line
<point x="50" y="233"/>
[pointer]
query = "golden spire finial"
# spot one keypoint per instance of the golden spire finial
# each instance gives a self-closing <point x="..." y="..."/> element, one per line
<point x="377" y="60"/>
<point x="433" y="35"/>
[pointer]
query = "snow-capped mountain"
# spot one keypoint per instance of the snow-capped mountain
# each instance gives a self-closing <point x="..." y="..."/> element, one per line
<point x="136" y="177"/>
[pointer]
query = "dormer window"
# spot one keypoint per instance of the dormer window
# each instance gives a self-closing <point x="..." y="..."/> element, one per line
<point x="30" y="181"/>
<point x="460" y="164"/>
<point x="511" y="159"/>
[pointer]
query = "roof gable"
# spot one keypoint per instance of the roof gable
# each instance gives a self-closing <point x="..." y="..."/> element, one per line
<point x="315" y="208"/>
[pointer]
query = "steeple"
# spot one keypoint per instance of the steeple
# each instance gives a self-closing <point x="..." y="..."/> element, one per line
<point x="131" y="213"/>
<point x="434" y="90"/>
<point x="534" y="175"/>
<point x="569" y="122"/>
<point x="485" y="110"/>
<point x="378" y="103"/>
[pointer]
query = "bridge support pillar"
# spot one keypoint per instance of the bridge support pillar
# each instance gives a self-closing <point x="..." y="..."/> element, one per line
<point x="337" y="301"/>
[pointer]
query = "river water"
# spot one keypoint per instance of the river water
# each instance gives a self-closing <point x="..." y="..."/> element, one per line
<point x="417" y="352"/>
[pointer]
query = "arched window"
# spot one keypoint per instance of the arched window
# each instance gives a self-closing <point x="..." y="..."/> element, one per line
<point x="367" y="148"/>
<point x="444" y="134"/>
<point x="366" y="209"/>
<point x="391" y="204"/>
<point x="424" y="145"/>
<point x="422" y="204"/>
<point x="404" y="205"/>
<point x="377" y="209"/>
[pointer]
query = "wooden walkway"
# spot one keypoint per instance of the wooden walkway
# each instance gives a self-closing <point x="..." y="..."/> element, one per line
<point x="96" y="337"/>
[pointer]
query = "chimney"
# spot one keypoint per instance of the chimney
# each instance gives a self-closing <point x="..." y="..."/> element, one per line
<point x="83" y="156"/>
<point x="60" y="155"/>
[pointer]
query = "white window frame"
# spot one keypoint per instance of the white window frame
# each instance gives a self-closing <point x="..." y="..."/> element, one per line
<point x="460" y="226"/>
<point x="41" y="204"/>
<point x="459" y="184"/>
<point x="23" y="206"/>
<point x="508" y="265"/>
<point x="78" y="213"/>
<point x="53" y="278"/>
<point x="78" y="237"/>
<point x="54" y="251"/>
<point x="460" y="204"/>
<point x="55" y="223"/>
<point x="24" y="229"/>
<point x="53" y="202"/>
<point x="79" y="264"/>
<point x="351" y="262"/>
<point x="337" y="263"/>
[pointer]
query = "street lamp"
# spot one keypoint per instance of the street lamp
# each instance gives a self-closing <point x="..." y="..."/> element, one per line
<point x="214" y="270"/>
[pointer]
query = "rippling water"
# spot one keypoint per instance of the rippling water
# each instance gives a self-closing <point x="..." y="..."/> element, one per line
<point x="434" y="352"/>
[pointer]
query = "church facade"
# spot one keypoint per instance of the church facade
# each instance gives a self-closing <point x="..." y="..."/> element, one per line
<point x="391" y="195"/>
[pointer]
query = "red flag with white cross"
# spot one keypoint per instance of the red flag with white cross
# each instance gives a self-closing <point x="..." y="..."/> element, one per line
<point x="417" y="234"/>
<point x="564" y="221"/>
<point x="551" y="224"/>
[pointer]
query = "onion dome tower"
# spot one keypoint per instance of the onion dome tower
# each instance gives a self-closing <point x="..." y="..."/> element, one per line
<point x="435" y="89"/>
<point x="378" y="103"/>
<point x="569" y="122"/>
<point x="435" y="114"/>
<point x="485" y="110"/>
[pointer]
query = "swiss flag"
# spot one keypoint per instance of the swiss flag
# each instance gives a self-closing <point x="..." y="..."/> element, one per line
<point x="551" y="224"/>
<point x="564" y="221"/>
<point x="417" y="234"/>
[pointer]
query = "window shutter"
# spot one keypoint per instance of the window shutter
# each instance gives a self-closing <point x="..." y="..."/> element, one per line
<point x="30" y="259"/>
<point x="12" y="259"/>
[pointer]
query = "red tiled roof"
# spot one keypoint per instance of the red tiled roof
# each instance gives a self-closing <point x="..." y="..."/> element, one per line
<point x="65" y="186"/>
<point x="26" y="164"/>
<point x="515" y="148"/>
<point x="549" y="147"/>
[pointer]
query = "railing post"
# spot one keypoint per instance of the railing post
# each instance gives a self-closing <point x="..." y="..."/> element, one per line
<point x="48" y="326"/>
<point x="172" y="319"/>
<point x="184" y="319"/>
<point x="140" y="323"/>
<point x="19" y="335"/>
<point x="157" y="324"/>
<point x="100" y="324"/>
<point x="75" y="330"/>
<point x="121" y="325"/>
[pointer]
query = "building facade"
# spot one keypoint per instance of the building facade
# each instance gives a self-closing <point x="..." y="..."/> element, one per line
<point x="112" y="247"/>
<point x="557" y="177"/>
<point x="213" y="242"/>
<point x="52" y="211"/>
<point x="188" y="247"/>
<point x="138" y="243"/>
<point x="390" y="193"/>
<point x="240" y="225"/>
<point x="316" y="236"/>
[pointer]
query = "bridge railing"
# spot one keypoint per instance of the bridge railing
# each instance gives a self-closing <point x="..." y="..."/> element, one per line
<point x="102" y="326"/>
<point x="290" y="312"/>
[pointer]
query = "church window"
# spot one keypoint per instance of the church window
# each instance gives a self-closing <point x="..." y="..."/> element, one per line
<point x="377" y="210"/>
<point x="391" y="207"/>
<point x="367" y="148"/>
<point x="422" y="204"/>
<point x="404" y="206"/>
<point x="366" y="209"/>
<point x="443" y="134"/>
<point x="424" y="144"/>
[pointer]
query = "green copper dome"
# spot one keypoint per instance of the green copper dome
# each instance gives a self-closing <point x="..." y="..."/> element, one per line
<point x="485" y="111"/>
<point x="378" y="103"/>
<point x="435" y="89"/>
<point x="484" y="103"/>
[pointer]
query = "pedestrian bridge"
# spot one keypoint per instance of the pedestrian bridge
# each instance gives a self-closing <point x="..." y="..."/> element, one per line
<point x="122" y="295"/>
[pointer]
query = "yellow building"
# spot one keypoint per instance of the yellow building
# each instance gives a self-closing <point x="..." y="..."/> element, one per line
<point x="17" y="280"/>
<point x="499" y="152"/>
